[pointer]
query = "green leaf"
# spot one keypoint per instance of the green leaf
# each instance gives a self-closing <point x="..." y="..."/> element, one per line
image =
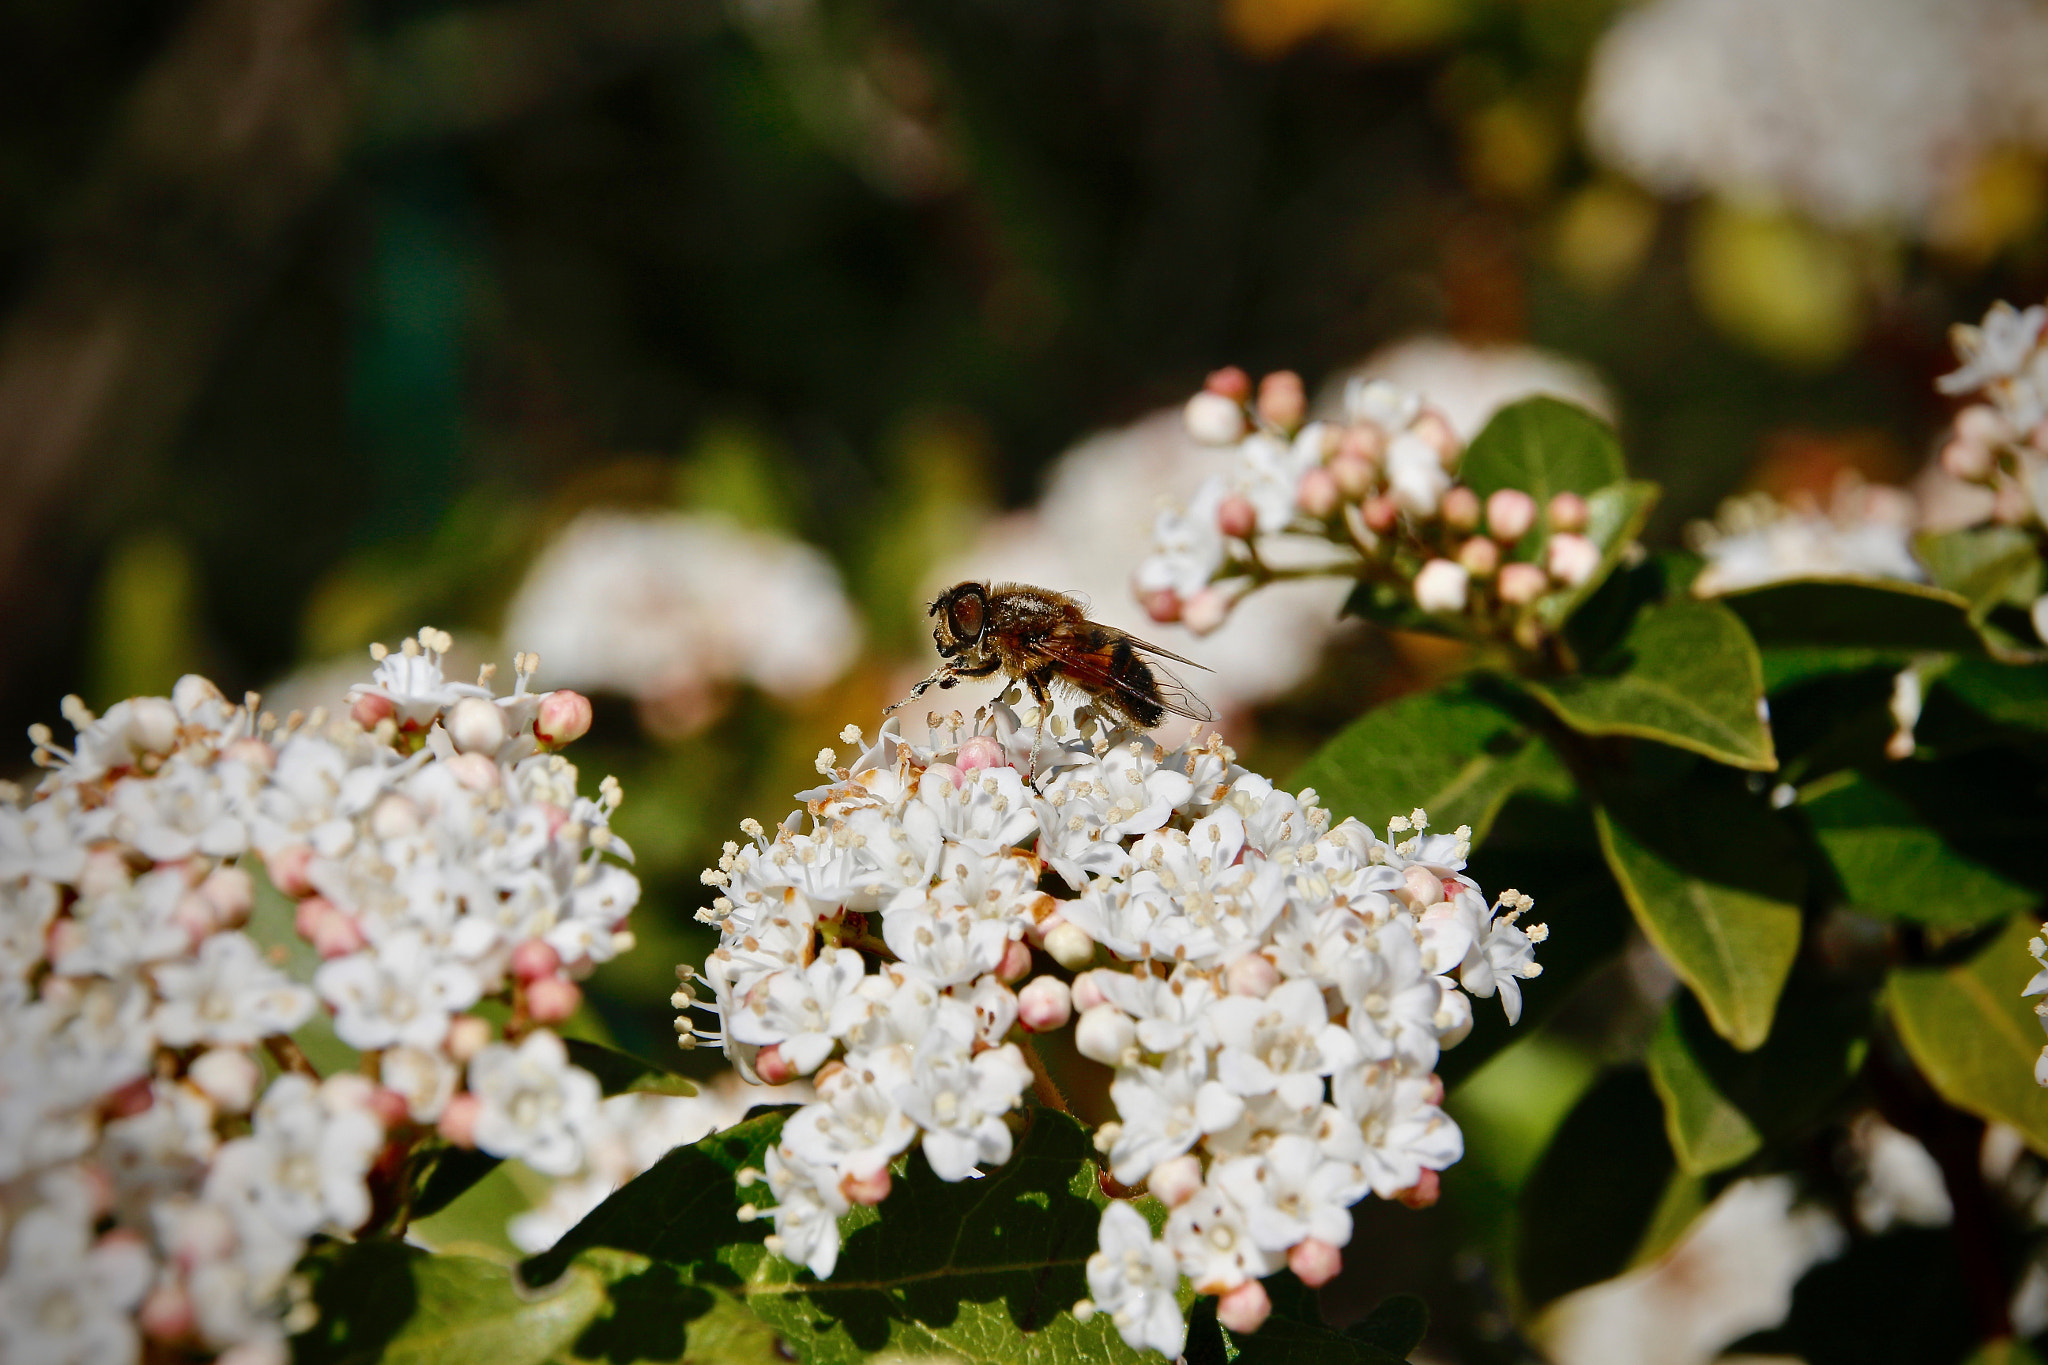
<point x="2004" y="1351"/>
<point x="1397" y="1326"/>
<point x="1543" y="446"/>
<point x="1856" y="613"/>
<point x="1894" y="865"/>
<point x="1716" y="883"/>
<point x="1614" y="518"/>
<point x="2015" y="696"/>
<point x="620" y="1073"/>
<point x="1985" y="565"/>
<point x="1972" y="1034"/>
<point x="1595" y="1192"/>
<point x="1297" y="1335"/>
<point x="1453" y="752"/>
<point x="1686" y="675"/>
<point x="1721" y="1106"/>
<point x="660" y="1312"/>
<point x="395" y="1304"/>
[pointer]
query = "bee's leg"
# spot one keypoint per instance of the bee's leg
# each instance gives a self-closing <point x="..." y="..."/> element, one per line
<point x="1036" y="682"/>
<point x="943" y="677"/>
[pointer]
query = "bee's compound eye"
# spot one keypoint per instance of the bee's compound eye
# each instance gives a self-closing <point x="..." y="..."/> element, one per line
<point x="968" y="612"/>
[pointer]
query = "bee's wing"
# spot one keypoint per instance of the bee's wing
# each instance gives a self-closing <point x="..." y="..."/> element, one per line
<point x="1091" y="667"/>
<point x="1145" y="646"/>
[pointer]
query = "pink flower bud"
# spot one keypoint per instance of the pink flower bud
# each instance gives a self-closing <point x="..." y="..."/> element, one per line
<point x="1230" y="381"/>
<point x="129" y="1100"/>
<point x="338" y="935"/>
<point x="772" y="1067"/>
<point x="63" y="938"/>
<point x="1317" y="494"/>
<point x="395" y="817"/>
<point x="1420" y="888"/>
<point x="253" y="753"/>
<point x="1206" y="610"/>
<point x="1070" y="946"/>
<point x="288" y="867"/>
<point x="1213" y="420"/>
<point x="369" y="708"/>
<point x="310" y="914"/>
<point x="1460" y="508"/>
<point x="389" y="1107"/>
<point x="1161" y="604"/>
<point x="1245" y="1308"/>
<point x="2010" y="505"/>
<point x="231" y="891"/>
<point x="1571" y="559"/>
<point x="1235" y="516"/>
<point x="1567" y="512"/>
<point x="1364" y="441"/>
<point x="1174" y="1181"/>
<point x="1044" y="1004"/>
<point x="1016" y="963"/>
<point x="981" y="751"/>
<point x="467" y="1036"/>
<point x="1433" y="427"/>
<point x="476" y="726"/>
<point x="1509" y="514"/>
<point x="1353" y="473"/>
<point x="866" y="1189"/>
<point x="1521" y="583"/>
<point x="944" y="772"/>
<point x="550" y="1000"/>
<point x="227" y="1076"/>
<point x="564" y="717"/>
<point x="474" y="771"/>
<point x="1435" y="1093"/>
<point x="1314" y="1263"/>
<point x="1423" y="1192"/>
<point x="195" y="915"/>
<point x="1380" y="513"/>
<point x="1441" y="586"/>
<point x="1282" y="400"/>
<point x="167" y="1314"/>
<point x="1253" y="974"/>
<point x="1967" y="460"/>
<point x="534" y="959"/>
<point x="458" y="1119"/>
<point x="1087" y="992"/>
<point x="1480" y="556"/>
<point x="1983" y="425"/>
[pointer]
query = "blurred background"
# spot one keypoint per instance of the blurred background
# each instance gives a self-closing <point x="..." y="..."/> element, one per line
<point x="692" y="343"/>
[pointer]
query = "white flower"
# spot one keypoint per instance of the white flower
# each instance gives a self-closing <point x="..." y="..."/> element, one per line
<point x="412" y="680"/>
<point x="302" y="1169"/>
<point x="1284" y="1044"/>
<point x="1397" y="1133"/>
<point x="1999" y="348"/>
<point x="944" y="949"/>
<point x="424" y="1076"/>
<point x="1290" y="1192"/>
<point x="402" y="991"/>
<point x="1503" y="953"/>
<point x="533" y="1102"/>
<point x="1163" y="1111"/>
<point x="1415" y="475"/>
<point x="229" y="997"/>
<point x="1865" y="532"/>
<point x="65" y="1300"/>
<point x="1134" y="1279"/>
<point x="806" y="1011"/>
<point x="191" y="805"/>
<point x="124" y="924"/>
<point x="1214" y="1246"/>
<point x="1393" y="998"/>
<point x="959" y="1101"/>
<point x="807" y="1208"/>
<point x="1441" y="586"/>
<point x="856" y="1127"/>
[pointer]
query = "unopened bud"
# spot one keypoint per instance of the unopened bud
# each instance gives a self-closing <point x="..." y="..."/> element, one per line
<point x="458" y="1119"/>
<point x="1087" y="992"/>
<point x="944" y="772"/>
<point x="1509" y="514"/>
<point x="564" y="716"/>
<point x="869" y="1189"/>
<point x="338" y="935"/>
<point x="475" y="771"/>
<point x="1521" y="583"/>
<point x="981" y="751"/>
<point x="1480" y="556"/>
<point x="227" y="1076"/>
<point x="1380" y="512"/>
<point x="1213" y="419"/>
<point x="1441" y="586"/>
<point x="1206" y="610"/>
<point x="1317" y="494"/>
<point x="1983" y="425"/>
<point x="1161" y="604"/>
<point x="1967" y="460"/>
<point x="1281" y="399"/>
<point x="534" y="959"/>
<point x="153" y="724"/>
<point x="309" y="914"/>
<point x="1571" y="559"/>
<point x="1070" y="946"/>
<point x="551" y="999"/>
<point x="1105" y="1035"/>
<point x="772" y="1067"/>
<point x="1314" y="1263"/>
<point x="167" y="1314"/>
<point x="476" y="726"/>
<point x="467" y="1036"/>
<point x="1044" y="1004"/>
<point x="1420" y="888"/>
<point x="1424" y="1192"/>
<point x="1567" y="512"/>
<point x="368" y="708"/>
<point x="1174" y="1181"/>
<point x="1016" y="963"/>
<point x="231" y="892"/>
<point x="288" y="867"/>
<point x="1460" y="508"/>
<point x="1353" y="472"/>
<point x="1235" y="516"/>
<point x="1231" y="382"/>
<point x="1433" y="427"/>
<point x="1245" y="1308"/>
<point x="1253" y="974"/>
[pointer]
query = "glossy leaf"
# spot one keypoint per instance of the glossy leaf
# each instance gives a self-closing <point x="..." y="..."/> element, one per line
<point x="1453" y="752"/>
<point x="1856" y="613"/>
<point x="1595" y="1192"/>
<point x="1892" y="864"/>
<point x="1715" y="881"/>
<point x="1543" y="446"/>
<point x="1686" y="675"/>
<point x="620" y="1073"/>
<point x="1396" y="1325"/>
<point x="1973" y="1036"/>
<point x="1721" y="1106"/>
<point x="1985" y="565"/>
<point x="2012" y="695"/>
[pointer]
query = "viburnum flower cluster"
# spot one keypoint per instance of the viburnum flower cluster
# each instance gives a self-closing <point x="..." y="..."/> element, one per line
<point x="1271" y="992"/>
<point x="1864" y="531"/>
<point x="166" y="1149"/>
<point x="1374" y="496"/>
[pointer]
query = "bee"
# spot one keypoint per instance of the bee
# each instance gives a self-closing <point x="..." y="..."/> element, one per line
<point x="1045" y="639"/>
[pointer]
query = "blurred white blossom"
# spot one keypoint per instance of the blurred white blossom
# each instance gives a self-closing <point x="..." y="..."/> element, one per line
<point x="1865" y="531"/>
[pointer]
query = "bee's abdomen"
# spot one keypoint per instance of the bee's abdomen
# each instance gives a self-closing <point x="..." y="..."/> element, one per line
<point x="1139" y="686"/>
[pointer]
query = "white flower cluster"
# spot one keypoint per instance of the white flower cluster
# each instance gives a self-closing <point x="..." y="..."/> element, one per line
<point x="1374" y="496"/>
<point x="1865" y="531"/>
<point x="1861" y="113"/>
<point x="1271" y="993"/>
<point x="166" y="1150"/>
<point x="2038" y="985"/>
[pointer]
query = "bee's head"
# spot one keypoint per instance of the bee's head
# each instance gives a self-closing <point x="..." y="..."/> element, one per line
<point x="961" y="613"/>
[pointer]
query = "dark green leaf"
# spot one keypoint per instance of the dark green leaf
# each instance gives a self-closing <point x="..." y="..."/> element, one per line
<point x="1594" y="1195"/>
<point x="1972" y="1034"/>
<point x="1686" y="675"/>
<point x="1984" y="565"/>
<point x="1715" y="881"/>
<point x="1452" y="752"/>
<point x="1856" y="613"/>
<point x="1721" y="1106"/>
<point x="1791" y="666"/>
<point x="657" y="1312"/>
<point x="620" y="1073"/>
<point x="1543" y="446"/>
<point x="1297" y="1335"/>
<point x="2004" y="1351"/>
<point x="2011" y="695"/>
<point x="1892" y="864"/>
<point x="443" y="1173"/>
<point x="1397" y="1326"/>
